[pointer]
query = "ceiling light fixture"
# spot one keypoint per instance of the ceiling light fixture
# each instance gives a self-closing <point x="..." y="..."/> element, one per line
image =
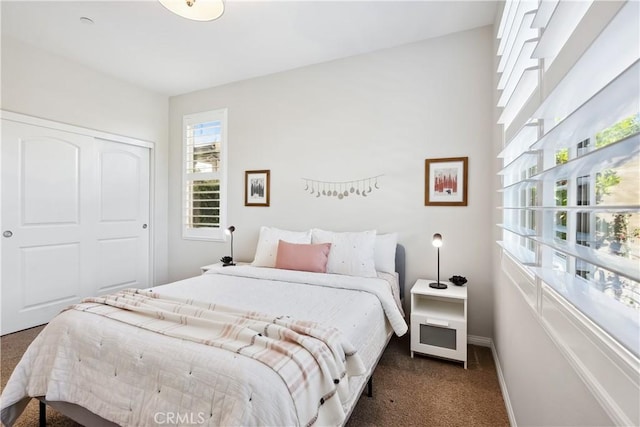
<point x="196" y="10"/>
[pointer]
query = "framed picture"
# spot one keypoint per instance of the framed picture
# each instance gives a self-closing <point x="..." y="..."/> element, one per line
<point x="256" y="188"/>
<point x="445" y="181"/>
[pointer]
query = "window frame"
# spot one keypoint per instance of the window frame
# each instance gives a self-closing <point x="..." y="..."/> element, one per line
<point x="205" y="233"/>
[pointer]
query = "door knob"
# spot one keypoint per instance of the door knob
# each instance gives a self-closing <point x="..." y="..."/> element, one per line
<point x="7" y="233"/>
<point x="144" y="225"/>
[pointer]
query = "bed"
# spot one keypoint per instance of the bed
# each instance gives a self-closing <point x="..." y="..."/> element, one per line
<point x="103" y="362"/>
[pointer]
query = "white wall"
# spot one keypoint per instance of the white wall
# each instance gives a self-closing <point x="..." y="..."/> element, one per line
<point x="379" y="113"/>
<point x="40" y="84"/>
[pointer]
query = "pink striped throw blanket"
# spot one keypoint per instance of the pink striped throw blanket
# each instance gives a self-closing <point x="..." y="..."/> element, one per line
<point x="314" y="361"/>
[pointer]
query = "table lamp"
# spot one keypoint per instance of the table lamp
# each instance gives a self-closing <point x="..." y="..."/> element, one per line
<point x="437" y="242"/>
<point x="227" y="261"/>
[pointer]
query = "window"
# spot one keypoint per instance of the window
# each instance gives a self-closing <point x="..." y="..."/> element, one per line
<point x="204" y="175"/>
<point x="571" y="157"/>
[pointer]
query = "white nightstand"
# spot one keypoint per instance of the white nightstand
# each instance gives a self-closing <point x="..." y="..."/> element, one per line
<point x="439" y="321"/>
<point x="206" y="268"/>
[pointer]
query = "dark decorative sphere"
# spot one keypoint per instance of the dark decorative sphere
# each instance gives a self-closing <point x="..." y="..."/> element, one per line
<point x="458" y="280"/>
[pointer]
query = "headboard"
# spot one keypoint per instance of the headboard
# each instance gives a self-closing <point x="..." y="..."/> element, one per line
<point x="400" y="267"/>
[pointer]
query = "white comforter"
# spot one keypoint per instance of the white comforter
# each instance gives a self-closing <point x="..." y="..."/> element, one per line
<point x="383" y="287"/>
<point x="135" y="377"/>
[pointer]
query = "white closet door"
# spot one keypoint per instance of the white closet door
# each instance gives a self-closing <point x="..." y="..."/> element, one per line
<point x="122" y="231"/>
<point x="68" y="221"/>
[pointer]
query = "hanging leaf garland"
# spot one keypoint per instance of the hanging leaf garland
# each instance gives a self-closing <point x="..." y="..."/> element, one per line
<point x="341" y="189"/>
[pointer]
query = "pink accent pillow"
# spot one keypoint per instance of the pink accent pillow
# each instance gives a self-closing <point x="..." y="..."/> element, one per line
<point x="296" y="256"/>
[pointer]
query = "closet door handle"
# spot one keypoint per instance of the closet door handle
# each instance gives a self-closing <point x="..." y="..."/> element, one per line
<point x="144" y="225"/>
<point x="7" y="234"/>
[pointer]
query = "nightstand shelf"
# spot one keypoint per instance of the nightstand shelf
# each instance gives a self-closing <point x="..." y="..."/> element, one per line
<point x="439" y="321"/>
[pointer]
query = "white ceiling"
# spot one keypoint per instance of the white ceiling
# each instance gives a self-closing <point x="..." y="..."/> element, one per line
<point x="143" y="43"/>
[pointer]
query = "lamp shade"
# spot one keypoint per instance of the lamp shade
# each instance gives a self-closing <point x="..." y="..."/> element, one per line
<point x="437" y="240"/>
<point x="196" y="10"/>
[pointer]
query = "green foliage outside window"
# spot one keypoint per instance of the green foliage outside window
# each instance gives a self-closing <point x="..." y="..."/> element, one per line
<point x="608" y="179"/>
<point x="206" y="204"/>
<point x="619" y="131"/>
<point x="562" y="156"/>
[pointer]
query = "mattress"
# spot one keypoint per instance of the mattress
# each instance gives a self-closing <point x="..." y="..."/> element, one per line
<point x="108" y="368"/>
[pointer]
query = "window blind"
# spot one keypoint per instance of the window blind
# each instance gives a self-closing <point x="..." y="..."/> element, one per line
<point x="571" y="155"/>
<point x="204" y="175"/>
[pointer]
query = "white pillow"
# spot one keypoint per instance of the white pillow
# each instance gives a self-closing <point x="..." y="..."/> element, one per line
<point x="267" y="247"/>
<point x="352" y="253"/>
<point x="385" y="252"/>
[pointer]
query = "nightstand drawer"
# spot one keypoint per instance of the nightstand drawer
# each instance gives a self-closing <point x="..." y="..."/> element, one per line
<point x="439" y="337"/>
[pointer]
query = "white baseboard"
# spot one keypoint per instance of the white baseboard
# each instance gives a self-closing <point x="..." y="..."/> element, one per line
<point x="479" y="341"/>
<point x="488" y="342"/>
<point x="503" y="386"/>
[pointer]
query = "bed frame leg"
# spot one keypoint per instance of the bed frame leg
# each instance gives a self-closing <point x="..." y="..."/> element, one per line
<point x="43" y="414"/>
<point x="370" y="387"/>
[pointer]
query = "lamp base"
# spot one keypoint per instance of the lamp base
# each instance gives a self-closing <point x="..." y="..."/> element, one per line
<point x="437" y="285"/>
<point x="232" y="264"/>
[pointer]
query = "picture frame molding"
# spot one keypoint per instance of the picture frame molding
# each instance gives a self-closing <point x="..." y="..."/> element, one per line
<point x="267" y="196"/>
<point x="429" y="165"/>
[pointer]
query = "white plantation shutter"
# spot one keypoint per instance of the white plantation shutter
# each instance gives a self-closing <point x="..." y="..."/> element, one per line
<point x="570" y="100"/>
<point x="204" y="175"/>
